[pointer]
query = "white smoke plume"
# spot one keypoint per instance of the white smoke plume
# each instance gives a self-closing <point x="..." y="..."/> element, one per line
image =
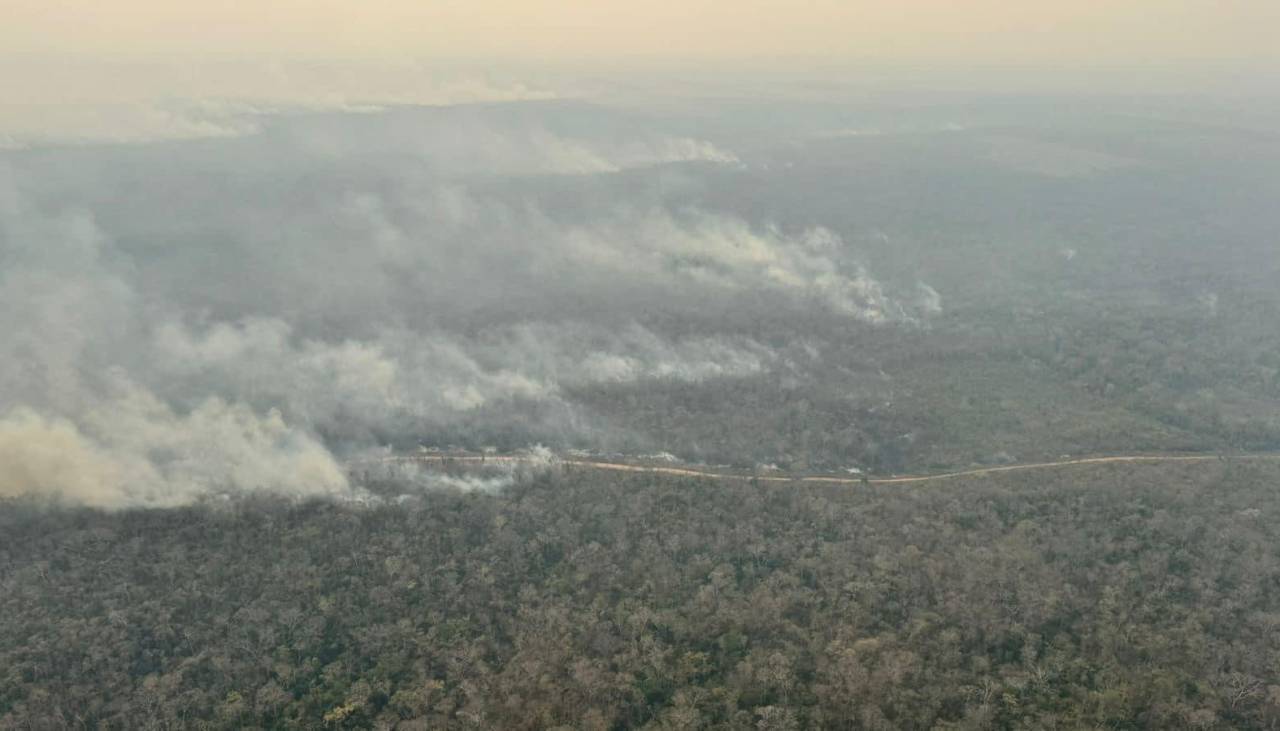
<point x="135" y="451"/>
<point x="212" y="331"/>
<point x="719" y="253"/>
<point x="492" y="476"/>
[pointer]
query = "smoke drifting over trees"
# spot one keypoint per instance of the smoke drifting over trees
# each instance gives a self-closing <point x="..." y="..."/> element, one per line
<point x="246" y="311"/>
<point x="230" y="314"/>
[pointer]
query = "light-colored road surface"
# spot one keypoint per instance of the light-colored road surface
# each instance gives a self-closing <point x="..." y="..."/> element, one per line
<point x="444" y="459"/>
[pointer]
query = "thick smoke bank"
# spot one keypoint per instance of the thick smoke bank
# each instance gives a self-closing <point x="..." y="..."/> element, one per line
<point x="136" y="451"/>
<point x="241" y="314"/>
<point x="416" y="376"/>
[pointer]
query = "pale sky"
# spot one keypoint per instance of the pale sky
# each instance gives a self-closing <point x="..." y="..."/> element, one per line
<point x="977" y="31"/>
<point x="129" y="69"/>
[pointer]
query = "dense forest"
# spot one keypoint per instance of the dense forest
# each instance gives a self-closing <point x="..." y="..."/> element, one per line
<point x="1120" y="596"/>
<point x="983" y="387"/>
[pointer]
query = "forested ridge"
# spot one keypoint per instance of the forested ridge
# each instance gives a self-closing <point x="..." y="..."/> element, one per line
<point x="1115" y="596"/>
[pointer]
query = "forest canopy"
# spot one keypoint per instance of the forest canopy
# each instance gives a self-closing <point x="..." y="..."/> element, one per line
<point x="1117" y="596"/>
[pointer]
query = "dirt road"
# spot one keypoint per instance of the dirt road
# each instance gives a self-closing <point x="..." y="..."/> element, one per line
<point x="444" y="459"/>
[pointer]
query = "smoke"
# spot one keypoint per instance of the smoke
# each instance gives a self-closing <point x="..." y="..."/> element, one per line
<point x="44" y="456"/>
<point x="419" y="377"/>
<point x="928" y="301"/>
<point x="135" y="451"/>
<point x="244" y="313"/>
<point x="459" y="148"/>
<point x="137" y="102"/>
<point x="123" y="123"/>
<point x="491" y="476"/>
<point x="710" y="252"/>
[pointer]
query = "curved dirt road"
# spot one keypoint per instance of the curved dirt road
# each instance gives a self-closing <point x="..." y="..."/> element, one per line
<point x="825" y="479"/>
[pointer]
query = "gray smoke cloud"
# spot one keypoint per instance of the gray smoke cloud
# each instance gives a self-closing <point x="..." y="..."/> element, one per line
<point x="415" y="377"/>
<point x="241" y="314"/>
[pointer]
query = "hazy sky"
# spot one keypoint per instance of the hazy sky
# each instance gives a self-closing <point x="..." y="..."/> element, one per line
<point x="81" y="70"/>
<point x="1035" y="31"/>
